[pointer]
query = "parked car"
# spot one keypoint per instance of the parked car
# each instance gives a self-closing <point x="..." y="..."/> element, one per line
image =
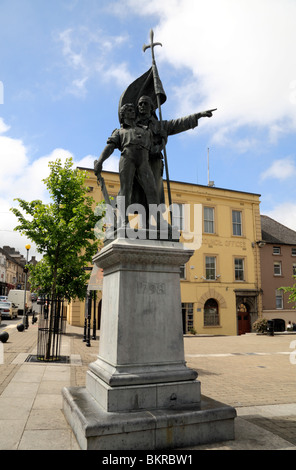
<point x="41" y="299"/>
<point x="8" y="309"/>
<point x="3" y="298"/>
<point x="33" y="297"/>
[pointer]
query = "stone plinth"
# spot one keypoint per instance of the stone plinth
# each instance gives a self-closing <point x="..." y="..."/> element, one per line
<point x="141" y="339"/>
<point x="140" y="385"/>
<point x="96" y="429"/>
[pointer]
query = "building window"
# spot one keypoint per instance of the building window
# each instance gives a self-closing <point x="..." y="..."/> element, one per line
<point x="178" y="215"/>
<point x="277" y="269"/>
<point x="209" y="225"/>
<point x="183" y="271"/>
<point x="237" y="223"/>
<point x="187" y="315"/>
<point x="276" y="250"/>
<point x="210" y="268"/>
<point x="279" y="299"/>
<point x="211" y="313"/>
<point x="294" y="269"/>
<point x="293" y="251"/>
<point x="239" y="273"/>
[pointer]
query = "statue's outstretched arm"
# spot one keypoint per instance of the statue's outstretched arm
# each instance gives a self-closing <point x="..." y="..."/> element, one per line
<point x="208" y="113"/>
<point x="175" y="126"/>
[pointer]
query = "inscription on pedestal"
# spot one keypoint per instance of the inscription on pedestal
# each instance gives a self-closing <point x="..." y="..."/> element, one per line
<point x="151" y="288"/>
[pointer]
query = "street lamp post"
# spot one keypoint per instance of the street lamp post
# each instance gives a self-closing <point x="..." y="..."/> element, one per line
<point x="25" y="317"/>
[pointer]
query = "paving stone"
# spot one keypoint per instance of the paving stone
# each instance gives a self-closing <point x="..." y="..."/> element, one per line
<point x="253" y="373"/>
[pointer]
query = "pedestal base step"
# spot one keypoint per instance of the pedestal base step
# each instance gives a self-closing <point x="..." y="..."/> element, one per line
<point x="96" y="429"/>
<point x="143" y="397"/>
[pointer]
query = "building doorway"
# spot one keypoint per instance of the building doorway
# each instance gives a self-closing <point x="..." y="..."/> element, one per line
<point x="243" y="319"/>
<point x="279" y="324"/>
<point x="187" y="317"/>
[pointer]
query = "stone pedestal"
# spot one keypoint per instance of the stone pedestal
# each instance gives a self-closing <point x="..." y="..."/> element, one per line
<point x="140" y="388"/>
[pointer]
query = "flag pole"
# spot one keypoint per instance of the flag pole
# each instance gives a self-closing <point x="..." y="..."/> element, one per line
<point x="156" y="88"/>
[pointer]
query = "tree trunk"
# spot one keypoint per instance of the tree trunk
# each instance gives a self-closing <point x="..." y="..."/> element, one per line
<point x="52" y="309"/>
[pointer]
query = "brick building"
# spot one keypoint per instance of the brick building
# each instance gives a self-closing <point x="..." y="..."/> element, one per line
<point x="278" y="266"/>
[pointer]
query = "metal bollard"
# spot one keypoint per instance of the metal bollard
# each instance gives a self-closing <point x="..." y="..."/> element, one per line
<point x="270" y="327"/>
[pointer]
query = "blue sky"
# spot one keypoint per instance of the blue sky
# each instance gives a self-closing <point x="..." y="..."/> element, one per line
<point x="65" y="63"/>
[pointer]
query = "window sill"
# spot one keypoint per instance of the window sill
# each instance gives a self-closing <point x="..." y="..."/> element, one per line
<point x="212" y="326"/>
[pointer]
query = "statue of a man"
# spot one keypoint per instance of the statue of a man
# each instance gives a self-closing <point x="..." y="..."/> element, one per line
<point x="141" y="140"/>
<point x="160" y="132"/>
<point x="135" y="142"/>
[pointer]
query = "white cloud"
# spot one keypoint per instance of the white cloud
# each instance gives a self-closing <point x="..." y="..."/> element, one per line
<point x="283" y="213"/>
<point x="74" y="58"/>
<point x="281" y="169"/>
<point x="3" y="127"/>
<point x="10" y="237"/>
<point x="13" y="159"/>
<point x="112" y="163"/>
<point x="88" y="54"/>
<point x="22" y="178"/>
<point x="86" y="162"/>
<point x="239" y="56"/>
<point x="117" y="73"/>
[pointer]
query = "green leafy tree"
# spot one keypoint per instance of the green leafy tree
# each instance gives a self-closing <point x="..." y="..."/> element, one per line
<point x="63" y="232"/>
<point x="292" y="291"/>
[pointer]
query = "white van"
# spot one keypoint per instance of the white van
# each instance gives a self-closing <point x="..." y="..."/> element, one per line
<point x="17" y="297"/>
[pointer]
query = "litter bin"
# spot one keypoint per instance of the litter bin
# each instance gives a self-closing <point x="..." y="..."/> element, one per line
<point x="270" y="327"/>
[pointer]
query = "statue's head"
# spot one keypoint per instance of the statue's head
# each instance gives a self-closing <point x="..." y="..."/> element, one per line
<point x="145" y="105"/>
<point x="126" y="111"/>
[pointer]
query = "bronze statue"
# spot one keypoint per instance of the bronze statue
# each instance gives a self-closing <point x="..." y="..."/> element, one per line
<point x="161" y="130"/>
<point x="142" y="138"/>
<point x="135" y="143"/>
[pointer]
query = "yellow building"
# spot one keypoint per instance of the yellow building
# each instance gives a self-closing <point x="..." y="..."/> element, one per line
<point x="221" y="284"/>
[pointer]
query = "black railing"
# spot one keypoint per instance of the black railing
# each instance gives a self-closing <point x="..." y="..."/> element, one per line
<point x="52" y="324"/>
<point x="90" y="298"/>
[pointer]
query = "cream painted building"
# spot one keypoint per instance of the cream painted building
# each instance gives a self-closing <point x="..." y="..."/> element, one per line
<point x="221" y="283"/>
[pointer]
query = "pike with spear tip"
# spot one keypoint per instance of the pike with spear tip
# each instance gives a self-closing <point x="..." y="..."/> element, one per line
<point x="158" y="91"/>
